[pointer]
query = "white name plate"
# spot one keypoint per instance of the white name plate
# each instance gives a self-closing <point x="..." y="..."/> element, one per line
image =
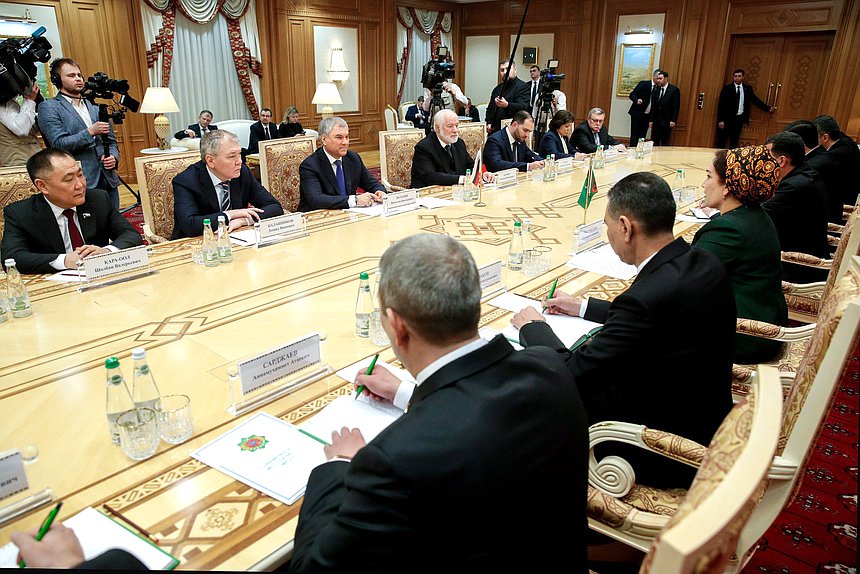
<point x="507" y="178"/>
<point x="588" y="233"/>
<point x="278" y="363"/>
<point x="490" y="274"/>
<point x="13" y="478"/>
<point x="649" y="147"/>
<point x="108" y="264"/>
<point x="281" y="227"/>
<point x="400" y="201"/>
<point x="564" y="165"/>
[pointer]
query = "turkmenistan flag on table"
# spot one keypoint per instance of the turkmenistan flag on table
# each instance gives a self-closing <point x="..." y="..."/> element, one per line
<point x="589" y="188"/>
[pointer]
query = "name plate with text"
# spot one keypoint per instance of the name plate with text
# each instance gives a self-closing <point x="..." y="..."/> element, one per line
<point x="648" y="147"/>
<point x="564" y="165"/>
<point x="507" y="178"/>
<point x="400" y="201"/>
<point x="585" y="234"/>
<point x="279" y="228"/>
<point x="13" y="478"/>
<point x="490" y="274"/>
<point x="276" y="364"/>
<point x="108" y="264"/>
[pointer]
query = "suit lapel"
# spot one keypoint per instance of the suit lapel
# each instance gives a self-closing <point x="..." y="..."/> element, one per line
<point x="670" y="251"/>
<point x="71" y="110"/>
<point x="47" y="223"/>
<point x="87" y="220"/>
<point x="207" y="190"/>
<point x="327" y="173"/>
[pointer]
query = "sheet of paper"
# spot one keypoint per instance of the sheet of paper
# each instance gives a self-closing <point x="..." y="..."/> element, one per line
<point x="68" y="276"/>
<point x="513" y="302"/>
<point x="488" y="334"/>
<point x="243" y="237"/>
<point x="604" y="261"/>
<point x="434" y="202"/>
<point x="348" y="373"/>
<point x="374" y="210"/>
<point x="568" y="329"/>
<point x="363" y="413"/>
<point x="265" y="453"/>
<point x="689" y="218"/>
<point x="99" y="533"/>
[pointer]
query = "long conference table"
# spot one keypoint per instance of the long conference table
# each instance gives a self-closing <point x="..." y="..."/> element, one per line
<point x="194" y="321"/>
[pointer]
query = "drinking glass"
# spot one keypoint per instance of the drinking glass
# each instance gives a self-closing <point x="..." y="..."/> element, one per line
<point x="531" y="262"/>
<point x="138" y="433"/>
<point x="174" y="418"/>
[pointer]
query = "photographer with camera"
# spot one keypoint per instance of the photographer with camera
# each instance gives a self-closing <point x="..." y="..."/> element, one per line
<point x="440" y="93"/>
<point x="60" y="121"/>
<point x="17" y="129"/>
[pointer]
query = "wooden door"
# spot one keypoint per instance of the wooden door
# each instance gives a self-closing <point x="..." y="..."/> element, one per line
<point x="786" y="71"/>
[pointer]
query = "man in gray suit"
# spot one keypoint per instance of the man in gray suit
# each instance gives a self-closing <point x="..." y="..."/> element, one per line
<point x="71" y="123"/>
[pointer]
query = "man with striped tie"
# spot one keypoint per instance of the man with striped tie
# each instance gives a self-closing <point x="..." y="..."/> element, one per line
<point x="219" y="184"/>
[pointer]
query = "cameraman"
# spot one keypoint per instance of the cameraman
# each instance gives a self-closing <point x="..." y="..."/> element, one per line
<point x="60" y="122"/>
<point x="17" y="134"/>
<point x="451" y="96"/>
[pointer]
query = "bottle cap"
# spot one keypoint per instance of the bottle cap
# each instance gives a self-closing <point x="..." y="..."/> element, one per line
<point x="138" y="353"/>
<point x="364" y="276"/>
<point x="206" y="222"/>
<point x="111" y="363"/>
<point x="517" y="224"/>
<point x="9" y="262"/>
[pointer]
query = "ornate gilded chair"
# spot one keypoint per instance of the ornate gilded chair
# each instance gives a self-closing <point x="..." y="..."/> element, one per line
<point x="474" y="134"/>
<point x="702" y="535"/>
<point x="15" y="185"/>
<point x="634" y="513"/>
<point x="396" y="148"/>
<point x="155" y="175"/>
<point x="401" y="112"/>
<point x="279" y="168"/>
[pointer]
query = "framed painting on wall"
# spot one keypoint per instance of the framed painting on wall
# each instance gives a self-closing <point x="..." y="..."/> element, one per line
<point x="637" y="61"/>
<point x="530" y="55"/>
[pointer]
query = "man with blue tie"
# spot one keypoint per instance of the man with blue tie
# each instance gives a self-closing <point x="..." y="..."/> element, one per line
<point x="330" y="176"/>
<point x="507" y="148"/>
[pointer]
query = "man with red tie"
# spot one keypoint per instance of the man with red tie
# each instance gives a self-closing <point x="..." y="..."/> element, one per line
<point x="65" y="222"/>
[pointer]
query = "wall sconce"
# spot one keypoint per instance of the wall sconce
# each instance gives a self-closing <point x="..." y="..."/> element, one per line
<point x="25" y="19"/>
<point x="645" y="30"/>
<point x="337" y="71"/>
<point x="160" y="101"/>
<point x="326" y="95"/>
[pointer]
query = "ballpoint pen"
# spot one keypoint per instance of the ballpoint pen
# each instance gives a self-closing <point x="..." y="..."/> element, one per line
<point x="46" y="525"/>
<point x="551" y="293"/>
<point x="369" y="371"/>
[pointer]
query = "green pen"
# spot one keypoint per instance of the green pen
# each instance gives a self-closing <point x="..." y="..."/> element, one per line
<point x="46" y="525"/>
<point x="551" y="293"/>
<point x="369" y="371"/>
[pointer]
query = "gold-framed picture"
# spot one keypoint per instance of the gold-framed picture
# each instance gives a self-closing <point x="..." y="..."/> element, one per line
<point x="637" y="62"/>
<point x="530" y="55"/>
<point x="43" y="70"/>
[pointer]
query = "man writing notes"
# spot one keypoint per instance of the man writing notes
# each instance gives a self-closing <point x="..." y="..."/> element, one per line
<point x="504" y="106"/>
<point x="665" y="106"/>
<point x="203" y="126"/>
<point x="72" y="123"/>
<point x="65" y="222"/>
<point x="634" y="370"/>
<point x="733" y="110"/>
<point x="592" y="133"/>
<point x="486" y="426"/>
<point x="219" y="184"/>
<point x="640" y="109"/>
<point x="331" y="175"/>
<point x="507" y="148"/>
<point x="441" y="158"/>
<point x="417" y="115"/>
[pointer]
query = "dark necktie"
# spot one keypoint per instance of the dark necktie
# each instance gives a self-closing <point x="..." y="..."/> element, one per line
<point x="534" y="92"/>
<point x="450" y="151"/>
<point x="341" y="182"/>
<point x="224" y="195"/>
<point x="74" y="232"/>
<point x="662" y="91"/>
<point x="514" y="150"/>
<point x="266" y="131"/>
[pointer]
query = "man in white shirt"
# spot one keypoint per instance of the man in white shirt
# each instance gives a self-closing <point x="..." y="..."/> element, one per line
<point x="17" y="134"/>
<point x="484" y="425"/>
<point x="64" y="223"/>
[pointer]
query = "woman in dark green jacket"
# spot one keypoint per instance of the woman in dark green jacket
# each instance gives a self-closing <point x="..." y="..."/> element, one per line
<point x="744" y="239"/>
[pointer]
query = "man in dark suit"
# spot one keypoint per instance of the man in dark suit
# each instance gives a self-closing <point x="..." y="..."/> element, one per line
<point x="816" y="158"/>
<point x="843" y="153"/>
<point x="203" y="126"/>
<point x="65" y="222"/>
<point x="219" y="184"/>
<point x="331" y="176"/>
<point x="665" y="106"/>
<point x="471" y="111"/>
<point x="733" y="109"/>
<point x="798" y="207"/>
<point x="647" y="333"/>
<point x="71" y="123"/>
<point x="417" y="115"/>
<point x="586" y="136"/>
<point x="507" y="148"/>
<point x="441" y="158"/>
<point x="515" y="98"/>
<point x="486" y="426"/>
<point x="640" y="109"/>
<point x="263" y="130"/>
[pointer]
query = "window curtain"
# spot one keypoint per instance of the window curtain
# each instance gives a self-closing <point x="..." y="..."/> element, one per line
<point x="209" y="56"/>
<point x="419" y="32"/>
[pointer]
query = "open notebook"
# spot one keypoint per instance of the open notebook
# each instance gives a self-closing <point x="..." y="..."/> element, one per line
<point x="99" y="533"/>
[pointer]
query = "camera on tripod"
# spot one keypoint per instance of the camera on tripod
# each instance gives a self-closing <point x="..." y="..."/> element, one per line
<point x="437" y="71"/>
<point x="18" y="57"/>
<point x="99" y="85"/>
<point x="550" y="82"/>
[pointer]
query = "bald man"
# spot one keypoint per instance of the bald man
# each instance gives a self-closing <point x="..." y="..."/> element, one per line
<point x="441" y="158"/>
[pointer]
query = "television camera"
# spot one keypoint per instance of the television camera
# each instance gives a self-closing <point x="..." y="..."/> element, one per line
<point x="550" y="81"/>
<point x="99" y="85"/>
<point x="18" y="57"/>
<point x="437" y="71"/>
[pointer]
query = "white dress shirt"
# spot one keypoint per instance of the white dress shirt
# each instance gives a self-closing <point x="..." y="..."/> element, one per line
<point x="81" y="107"/>
<point x="740" y="98"/>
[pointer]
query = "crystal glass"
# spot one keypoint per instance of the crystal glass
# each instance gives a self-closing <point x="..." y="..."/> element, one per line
<point x="531" y="262"/>
<point x="457" y="193"/>
<point x="174" y="418"/>
<point x="543" y="258"/>
<point x="377" y="334"/>
<point x="138" y="433"/>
